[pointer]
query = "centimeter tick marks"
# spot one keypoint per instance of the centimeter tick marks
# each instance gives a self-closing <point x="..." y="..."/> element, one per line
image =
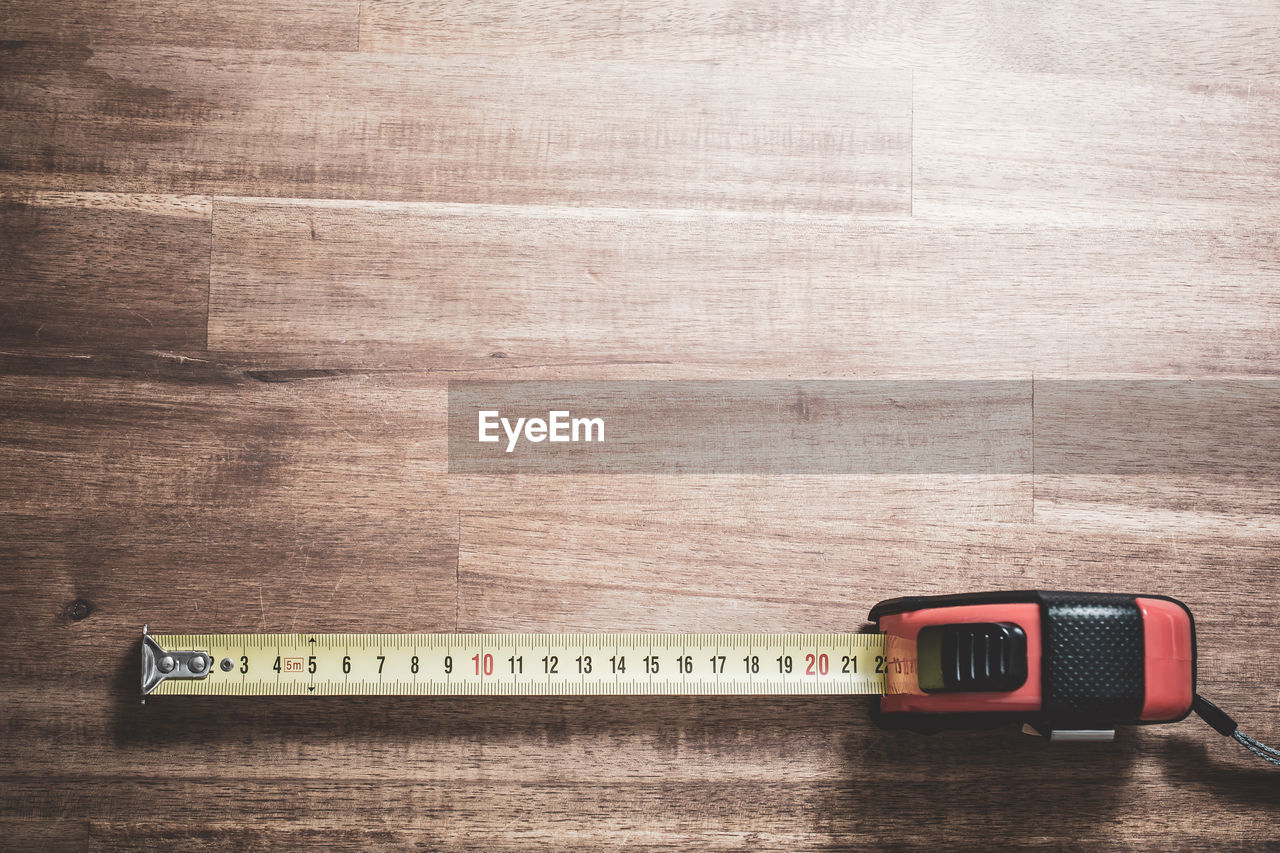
<point x="531" y="664"/>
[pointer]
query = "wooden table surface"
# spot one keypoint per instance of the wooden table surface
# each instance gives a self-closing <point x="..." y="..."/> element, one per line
<point x="245" y="244"/>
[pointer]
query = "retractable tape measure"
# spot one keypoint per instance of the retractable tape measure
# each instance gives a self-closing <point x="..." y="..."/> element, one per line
<point x="1067" y="665"/>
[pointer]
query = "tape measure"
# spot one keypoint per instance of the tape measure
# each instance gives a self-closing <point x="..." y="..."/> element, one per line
<point x="1066" y="665"/>
<point x="512" y="664"/>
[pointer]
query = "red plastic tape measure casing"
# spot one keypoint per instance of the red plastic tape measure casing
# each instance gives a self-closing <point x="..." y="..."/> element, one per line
<point x="1055" y="660"/>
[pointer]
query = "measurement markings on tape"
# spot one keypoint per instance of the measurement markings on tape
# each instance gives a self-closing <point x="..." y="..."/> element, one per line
<point x="511" y="664"/>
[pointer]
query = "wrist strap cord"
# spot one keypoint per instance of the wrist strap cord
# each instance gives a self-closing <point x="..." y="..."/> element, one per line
<point x="1222" y="723"/>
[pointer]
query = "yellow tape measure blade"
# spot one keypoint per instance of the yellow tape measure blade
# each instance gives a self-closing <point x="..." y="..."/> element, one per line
<point x="512" y="664"/>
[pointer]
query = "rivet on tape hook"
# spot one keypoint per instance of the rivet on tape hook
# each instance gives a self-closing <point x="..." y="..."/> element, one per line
<point x="159" y="664"/>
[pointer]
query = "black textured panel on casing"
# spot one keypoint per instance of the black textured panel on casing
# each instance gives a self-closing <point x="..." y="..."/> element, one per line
<point x="1093" y="659"/>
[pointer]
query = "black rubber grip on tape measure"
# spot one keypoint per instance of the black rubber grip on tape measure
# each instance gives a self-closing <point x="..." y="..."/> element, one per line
<point x="1093" y="659"/>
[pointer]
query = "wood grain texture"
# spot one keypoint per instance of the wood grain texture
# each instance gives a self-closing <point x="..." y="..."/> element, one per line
<point x="130" y="421"/>
<point x="245" y="246"/>
<point x="232" y="503"/>
<point x="340" y="125"/>
<point x="1053" y="146"/>
<point x="872" y="297"/>
<point x="312" y="25"/>
<point x="562" y="284"/>
<point x="1195" y="40"/>
<point x="104" y="271"/>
